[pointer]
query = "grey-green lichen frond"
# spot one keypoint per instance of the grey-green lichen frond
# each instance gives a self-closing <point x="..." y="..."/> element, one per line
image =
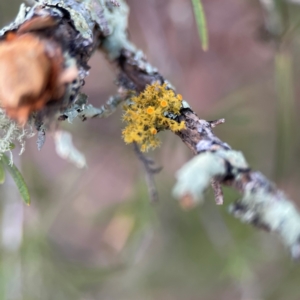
<point x="261" y="205"/>
<point x="11" y="132"/>
<point x="85" y="14"/>
<point x="117" y="24"/>
<point x="195" y="176"/>
<point x="270" y="210"/>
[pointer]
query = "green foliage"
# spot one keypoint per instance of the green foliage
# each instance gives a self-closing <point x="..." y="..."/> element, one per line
<point x="201" y="23"/>
<point x="17" y="177"/>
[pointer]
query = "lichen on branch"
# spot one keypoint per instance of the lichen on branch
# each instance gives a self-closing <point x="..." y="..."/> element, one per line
<point x="153" y="110"/>
<point x="10" y="132"/>
<point x="43" y="61"/>
<point x="81" y="27"/>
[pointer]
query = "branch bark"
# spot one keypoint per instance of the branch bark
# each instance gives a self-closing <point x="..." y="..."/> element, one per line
<point x="262" y="205"/>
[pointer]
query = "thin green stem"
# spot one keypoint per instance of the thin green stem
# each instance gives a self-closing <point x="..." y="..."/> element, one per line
<point x="201" y="23"/>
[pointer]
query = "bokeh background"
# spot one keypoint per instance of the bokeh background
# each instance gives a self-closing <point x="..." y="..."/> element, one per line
<point x="93" y="234"/>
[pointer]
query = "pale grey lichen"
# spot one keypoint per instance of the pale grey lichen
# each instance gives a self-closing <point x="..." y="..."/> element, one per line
<point x="78" y="12"/>
<point x="261" y="205"/>
<point x="84" y="110"/>
<point x="195" y="176"/>
<point x="271" y="211"/>
<point x="117" y="21"/>
<point x="11" y="132"/>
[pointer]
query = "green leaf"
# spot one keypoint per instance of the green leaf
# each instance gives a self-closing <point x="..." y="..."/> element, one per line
<point x="201" y="23"/>
<point x="2" y="173"/>
<point x="18" y="178"/>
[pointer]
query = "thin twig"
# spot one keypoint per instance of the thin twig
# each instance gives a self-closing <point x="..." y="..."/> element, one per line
<point x="217" y="122"/>
<point x="150" y="171"/>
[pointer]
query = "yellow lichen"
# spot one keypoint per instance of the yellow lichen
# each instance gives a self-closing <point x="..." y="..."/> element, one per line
<point x="163" y="103"/>
<point x="153" y="110"/>
<point x="153" y="131"/>
<point x="150" y="110"/>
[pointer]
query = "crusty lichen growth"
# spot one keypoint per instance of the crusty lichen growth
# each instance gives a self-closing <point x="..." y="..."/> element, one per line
<point x="153" y="110"/>
<point x="10" y="132"/>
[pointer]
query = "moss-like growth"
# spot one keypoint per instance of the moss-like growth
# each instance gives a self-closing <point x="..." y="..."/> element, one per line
<point x="153" y="110"/>
<point x="10" y="132"/>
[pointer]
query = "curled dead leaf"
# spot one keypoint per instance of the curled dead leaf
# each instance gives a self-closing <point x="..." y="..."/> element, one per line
<point x="32" y="73"/>
<point x="37" y="23"/>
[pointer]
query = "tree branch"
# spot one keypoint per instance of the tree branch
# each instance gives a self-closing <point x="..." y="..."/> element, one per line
<point x="262" y="204"/>
<point x="82" y="27"/>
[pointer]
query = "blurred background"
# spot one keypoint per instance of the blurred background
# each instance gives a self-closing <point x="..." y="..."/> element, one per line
<point x="93" y="234"/>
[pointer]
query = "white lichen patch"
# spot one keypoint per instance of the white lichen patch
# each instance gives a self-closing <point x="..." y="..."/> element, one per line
<point x="195" y="176"/>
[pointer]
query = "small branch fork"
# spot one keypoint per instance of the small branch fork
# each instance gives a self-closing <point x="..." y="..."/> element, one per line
<point x="150" y="172"/>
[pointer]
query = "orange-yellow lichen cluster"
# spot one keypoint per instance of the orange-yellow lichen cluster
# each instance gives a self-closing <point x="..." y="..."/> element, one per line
<point x="151" y="111"/>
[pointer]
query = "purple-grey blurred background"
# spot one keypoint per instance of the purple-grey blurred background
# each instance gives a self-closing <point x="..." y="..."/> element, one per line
<point x="92" y="234"/>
